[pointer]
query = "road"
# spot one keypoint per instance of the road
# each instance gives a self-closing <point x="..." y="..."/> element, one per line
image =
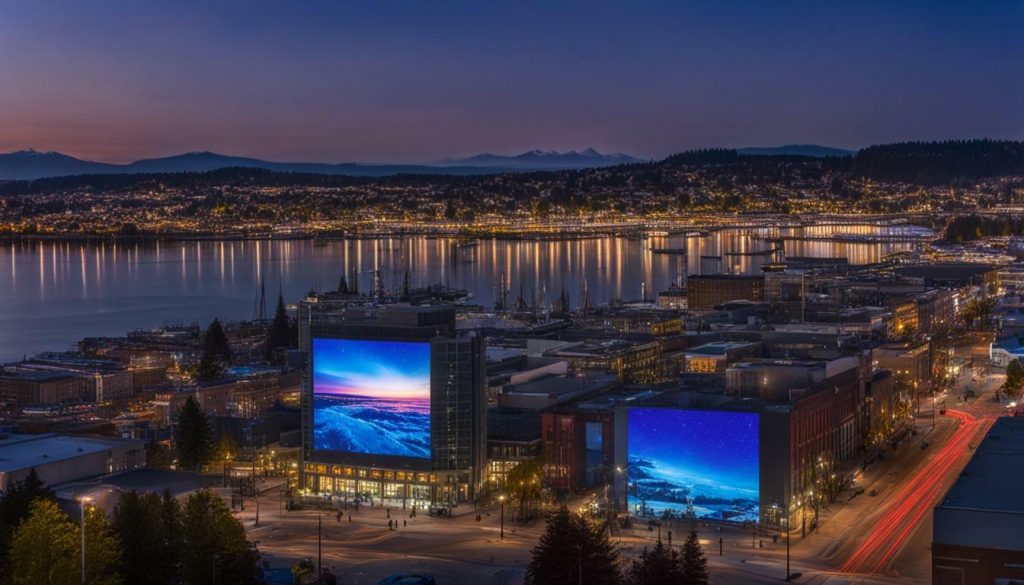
<point x="869" y="540"/>
<point x="916" y="497"/>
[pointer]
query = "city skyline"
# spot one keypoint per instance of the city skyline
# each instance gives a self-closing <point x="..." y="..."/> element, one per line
<point x="415" y="83"/>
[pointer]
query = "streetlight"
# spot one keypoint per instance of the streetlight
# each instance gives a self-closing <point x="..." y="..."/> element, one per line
<point x="227" y="460"/>
<point x="83" y="501"/>
<point x="501" y="499"/>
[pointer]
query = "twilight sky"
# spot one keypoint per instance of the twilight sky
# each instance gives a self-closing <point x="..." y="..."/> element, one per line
<point x="410" y="81"/>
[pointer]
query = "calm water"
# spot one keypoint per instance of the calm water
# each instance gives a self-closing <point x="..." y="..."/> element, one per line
<point x="56" y="293"/>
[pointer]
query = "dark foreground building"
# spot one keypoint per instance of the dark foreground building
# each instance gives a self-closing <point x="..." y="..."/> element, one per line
<point x="978" y="533"/>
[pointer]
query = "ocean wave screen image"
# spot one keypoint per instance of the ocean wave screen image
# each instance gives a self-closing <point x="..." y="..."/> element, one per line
<point x="703" y="463"/>
<point x="371" y="397"/>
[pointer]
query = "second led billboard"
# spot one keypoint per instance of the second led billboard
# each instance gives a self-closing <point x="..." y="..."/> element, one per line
<point x="705" y="462"/>
<point x="371" y="397"/>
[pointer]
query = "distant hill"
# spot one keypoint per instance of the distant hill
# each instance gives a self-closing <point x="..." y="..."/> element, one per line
<point x="796" y="150"/>
<point x="545" y="160"/>
<point x="31" y="164"/>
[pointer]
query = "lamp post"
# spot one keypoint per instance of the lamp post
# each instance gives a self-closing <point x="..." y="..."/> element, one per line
<point x="84" y="501"/>
<point x="784" y="522"/>
<point x="227" y="460"/>
<point x="501" y="499"/>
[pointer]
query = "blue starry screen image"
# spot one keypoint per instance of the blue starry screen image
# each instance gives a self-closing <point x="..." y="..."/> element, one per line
<point x="703" y="461"/>
<point x="371" y="397"/>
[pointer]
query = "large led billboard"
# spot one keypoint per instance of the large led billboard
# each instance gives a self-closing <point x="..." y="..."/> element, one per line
<point x="371" y="397"/>
<point x="703" y="461"/>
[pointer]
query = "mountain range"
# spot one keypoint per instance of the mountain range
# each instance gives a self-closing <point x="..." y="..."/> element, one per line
<point x="32" y="164"/>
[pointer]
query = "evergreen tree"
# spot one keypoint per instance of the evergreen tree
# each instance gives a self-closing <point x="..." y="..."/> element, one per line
<point x="279" y="334"/>
<point x="44" y="549"/>
<point x="149" y="552"/>
<point x="660" y="566"/>
<point x="158" y="455"/>
<point x="573" y="550"/>
<point x="102" y="550"/>
<point x="552" y="558"/>
<point x="209" y="368"/>
<point x="170" y="514"/>
<point x="1014" y="379"/>
<point x="193" y="436"/>
<point x="215" y="342"/>
<point x="15" y="506"/>
<point x="213" y="542"/>
<point x="598" y="558"/>
<point x="695" y="566"/>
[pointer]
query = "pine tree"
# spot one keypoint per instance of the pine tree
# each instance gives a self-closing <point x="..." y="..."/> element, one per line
<point x="551" y="560"/>
<point x="660" y="566"/>
<point x="158" y="455"/>
<point x="695" y="566"/>
<point x="215" y="342"/>
<point x="16" y="505"/>
<point x="572" y="550"/>
<point x="102" y="550"/>
<point x="279" y="334"/>
<point x="213" y="541"/>
<point x="170" y="514"/>
<point x="149" y="552"/>
<point x="598" y="558"/>
<point x="209" y="368"/>
<point x="1014" y="379"/>
<point x="193" y="436"/>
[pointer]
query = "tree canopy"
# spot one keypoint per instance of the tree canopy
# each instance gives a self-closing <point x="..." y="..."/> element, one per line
<point x="213" y="542"/>
<point x="147" y="525"/>
<point x="193" y="436"/>
<point x="46" y="548"/>
<point x="659" y="566"/>
<point x="572" y="550"/>
<point x="15" y="507"/>
<point x="1014" y="379"/>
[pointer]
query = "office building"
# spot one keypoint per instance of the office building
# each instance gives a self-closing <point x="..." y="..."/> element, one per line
<point x="393" y="405"/>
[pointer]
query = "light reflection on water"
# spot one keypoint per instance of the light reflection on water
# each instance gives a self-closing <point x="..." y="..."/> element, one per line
<point x="55" y="293"/>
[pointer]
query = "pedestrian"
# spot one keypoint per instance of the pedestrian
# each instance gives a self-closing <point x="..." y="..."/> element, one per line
<point x="350" y="517"/>
<point x="405" y="523"/>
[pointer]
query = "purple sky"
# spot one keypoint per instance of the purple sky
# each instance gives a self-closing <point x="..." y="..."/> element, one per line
<point x="409" y="81"/>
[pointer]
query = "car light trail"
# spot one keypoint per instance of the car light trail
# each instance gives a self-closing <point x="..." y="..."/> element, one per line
<point x="913" y="500"/>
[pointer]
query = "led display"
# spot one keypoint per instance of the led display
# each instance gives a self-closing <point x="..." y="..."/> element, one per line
<point x="371" y="397"/>
<point x="696" y="462"/>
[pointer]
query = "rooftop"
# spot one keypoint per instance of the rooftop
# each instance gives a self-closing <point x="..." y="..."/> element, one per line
<point x="15" y="372"/>
<point x="984" y="508"/>
<point x="25" y="451"/>
<point x="992" y="478"/>
<point x="719" y="347"/>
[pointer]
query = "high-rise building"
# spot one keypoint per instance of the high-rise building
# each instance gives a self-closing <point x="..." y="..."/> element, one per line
<point x="393" y="404"/>
<point x="458" y="413"/>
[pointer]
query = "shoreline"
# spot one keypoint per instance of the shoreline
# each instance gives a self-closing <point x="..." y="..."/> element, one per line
<point x="553" y="231"/>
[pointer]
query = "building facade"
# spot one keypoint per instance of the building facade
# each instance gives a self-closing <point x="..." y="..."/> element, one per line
<point x="454" y="469"/>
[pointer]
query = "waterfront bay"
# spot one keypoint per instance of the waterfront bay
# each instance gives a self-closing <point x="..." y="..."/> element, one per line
<point x="56" y="292"/>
